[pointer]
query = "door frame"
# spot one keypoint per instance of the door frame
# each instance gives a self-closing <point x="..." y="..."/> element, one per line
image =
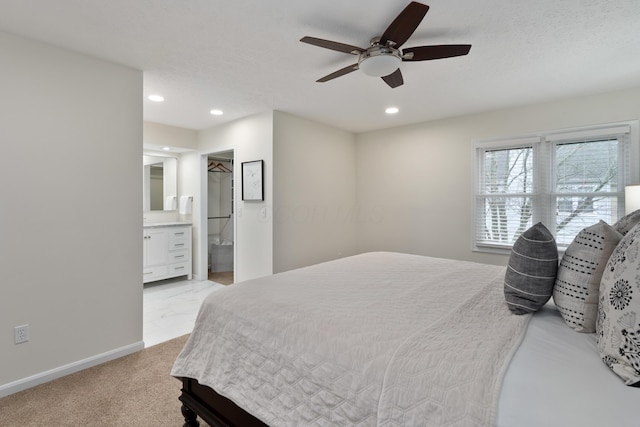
<point x="203" y="226"/>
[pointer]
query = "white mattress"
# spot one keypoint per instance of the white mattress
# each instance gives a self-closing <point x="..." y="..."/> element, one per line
<point x="556" y="378"/>
<point x="303" y="348"/>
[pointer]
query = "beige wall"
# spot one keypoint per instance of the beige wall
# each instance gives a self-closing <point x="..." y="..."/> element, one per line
<point x="314" y="210"/>
<point x="71" y="212"/>
<point x="414" y="183"/>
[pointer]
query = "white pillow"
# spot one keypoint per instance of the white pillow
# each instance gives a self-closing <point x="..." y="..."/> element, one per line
<point x="618" y="323"/>
<point x="627" y="222"/>
<point x="576" y="290"/>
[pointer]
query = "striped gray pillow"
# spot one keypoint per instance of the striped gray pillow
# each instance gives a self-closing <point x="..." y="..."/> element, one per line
<point x="531" y="271"/>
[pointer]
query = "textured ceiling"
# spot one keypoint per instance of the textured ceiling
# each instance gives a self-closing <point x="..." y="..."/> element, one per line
<point x="244" y="56"/>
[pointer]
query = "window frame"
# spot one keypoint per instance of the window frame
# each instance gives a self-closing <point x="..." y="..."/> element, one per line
<point x="543" y="170"/>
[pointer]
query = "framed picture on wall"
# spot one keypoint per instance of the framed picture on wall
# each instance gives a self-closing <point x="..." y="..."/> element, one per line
<point x="252" y="180"/>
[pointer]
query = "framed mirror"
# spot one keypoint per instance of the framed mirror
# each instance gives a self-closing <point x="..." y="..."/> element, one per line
<point x="159" y="183"/>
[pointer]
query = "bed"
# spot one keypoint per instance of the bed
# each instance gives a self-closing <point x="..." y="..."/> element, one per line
<point x="390" y="339"/>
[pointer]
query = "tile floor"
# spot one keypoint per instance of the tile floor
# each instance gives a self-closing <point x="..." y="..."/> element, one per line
<point x="171" y="306"/>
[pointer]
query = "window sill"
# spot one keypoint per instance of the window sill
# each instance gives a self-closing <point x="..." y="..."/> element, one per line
<point x="505" y="250"/>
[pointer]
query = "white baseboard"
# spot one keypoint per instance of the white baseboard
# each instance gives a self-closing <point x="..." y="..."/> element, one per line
<point x="43" y="377"/>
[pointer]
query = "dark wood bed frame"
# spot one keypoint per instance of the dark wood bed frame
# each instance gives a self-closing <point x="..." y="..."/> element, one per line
<point x="218" y="411"/>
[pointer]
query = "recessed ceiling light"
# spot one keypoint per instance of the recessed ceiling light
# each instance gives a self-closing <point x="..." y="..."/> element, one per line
<point x="166" y="148"/>
<point x="391" y="110"/>
<point x="216" y="112"/>
<point x="155" y="98"/>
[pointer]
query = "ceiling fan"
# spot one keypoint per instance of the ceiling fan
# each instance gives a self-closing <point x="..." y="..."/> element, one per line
<point x="383" y="57"/>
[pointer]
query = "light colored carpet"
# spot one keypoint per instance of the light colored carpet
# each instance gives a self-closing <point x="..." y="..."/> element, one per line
<point x="135" y="390"/>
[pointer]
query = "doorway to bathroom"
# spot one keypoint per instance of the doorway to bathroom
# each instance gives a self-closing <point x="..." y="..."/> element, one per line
<point x="220" y="217"/>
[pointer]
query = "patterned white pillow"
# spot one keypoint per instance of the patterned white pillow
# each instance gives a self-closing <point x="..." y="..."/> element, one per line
<point x="627" y="222"/>
<point x="618" y="323"/>
<point x="575" y="293"/>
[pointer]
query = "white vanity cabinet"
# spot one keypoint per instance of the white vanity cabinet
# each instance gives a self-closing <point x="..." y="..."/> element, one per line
<point x="166" y="252"/>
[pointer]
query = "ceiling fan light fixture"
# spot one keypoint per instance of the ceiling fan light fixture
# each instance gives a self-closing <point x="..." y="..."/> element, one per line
<point x="379" y="63"/>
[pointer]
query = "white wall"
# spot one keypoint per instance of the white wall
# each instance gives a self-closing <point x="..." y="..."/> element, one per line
<point x="414" y="183"/>
<point x="156" y="136"/>
<point x="70" y="217"/>
<point x="252" y="139"/>
<point x="314" y="205"/>
<point x="309" y="192"/>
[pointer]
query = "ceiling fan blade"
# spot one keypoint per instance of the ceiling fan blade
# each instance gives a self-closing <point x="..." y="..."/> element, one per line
<point x="340" y="72"/>
<point x="394" y="79"/>
<point x="425" y="53"/>
<point x="405" y="24"/>
<point x="328" y="44"/>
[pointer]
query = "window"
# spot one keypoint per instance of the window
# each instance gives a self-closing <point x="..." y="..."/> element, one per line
<point x="567" y="180"/>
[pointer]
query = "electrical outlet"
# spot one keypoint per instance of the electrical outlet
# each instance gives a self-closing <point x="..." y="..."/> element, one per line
<point x="21" y="333"/>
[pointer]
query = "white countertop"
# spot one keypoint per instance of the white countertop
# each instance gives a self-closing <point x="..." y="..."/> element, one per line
<point x="165" y="224"/>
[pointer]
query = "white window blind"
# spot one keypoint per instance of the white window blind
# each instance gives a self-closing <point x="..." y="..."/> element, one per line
<point x="567" y="180"/>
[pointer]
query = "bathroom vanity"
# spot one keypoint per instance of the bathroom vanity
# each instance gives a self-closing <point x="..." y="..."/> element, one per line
<point x="166" y="251"/>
